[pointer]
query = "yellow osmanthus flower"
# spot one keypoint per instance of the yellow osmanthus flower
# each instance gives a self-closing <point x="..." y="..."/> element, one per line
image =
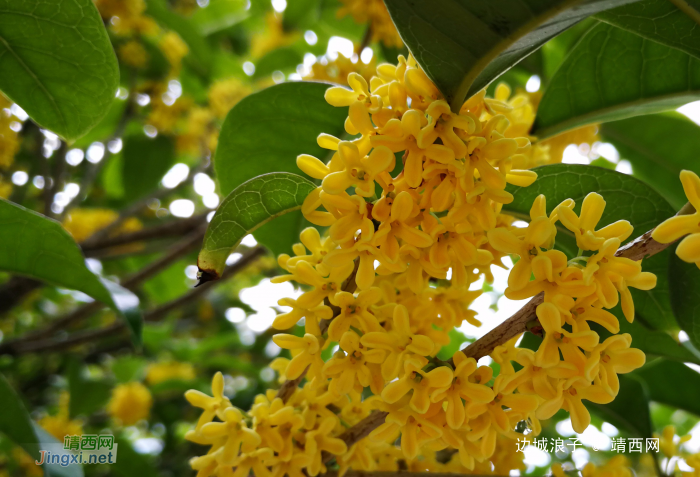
<point x="9" y="144"/>
<point x="130" y="403"/>
<point x="392" y="274"/>
<point x="5" y="189"/>
<point x="160" y="372"/>
<point x="689" y="224"/>
<point x="174" y="50"/>
<point x="376" y="16"/>
<point x="83" y="223"/>
<point x="60" y="424"/>
<point x="337" y="70"/>
<point x="133" y="53"/>
<point x="271" y="37"/>
<point x="127" y="16"/>
<point x="225" y="94"/>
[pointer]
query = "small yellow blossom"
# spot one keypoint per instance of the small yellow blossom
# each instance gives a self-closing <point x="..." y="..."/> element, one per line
<point x="60" y="424"/>
<point x="130" y="403"/>
<point x="160" y="372"/>
<point x="132" y="53"/>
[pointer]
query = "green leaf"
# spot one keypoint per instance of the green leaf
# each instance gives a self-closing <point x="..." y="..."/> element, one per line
<point x="630" y="409"/>
<point x="301" y="13"/>
<point x="281" y="59"/>
<point x="145" y="161"/>
<point x="627" y="198"/>
<point x="15" y="422"/>
<point x="57" y="63"/>
<point x="131" y="463"/>
<point x="556" y="49"/>
<point x="250" y="205"/>
<point x="614" y="74"/>
<point x="684" y="281"/>
<point x="55" y="470"/>
<point x="658" y="146"/>
<point x="463" y="45"/>
<point x="200" y="55"/>
<point x="219" y="15"/>
<point x="660" y="21"/>
<point x="32" y="245"/>
<point x="663" y="377"/>
<point x="265" y="132"/>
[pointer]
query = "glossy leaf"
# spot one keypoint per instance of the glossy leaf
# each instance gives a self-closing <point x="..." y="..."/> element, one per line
<point x="614" y="74"/>
<point x="249" y="206"/>
<point x="57" y="63"/>
<point x="627" y="198"/>
<point x="658" y="146"/>
<point x="32" y="245"/>
<point x="265" y="132"/>
<point x="663" y="377"/>
<point x="283" y="59"/>
<point x="219" y="15"/>
<point x="660" y="21"/>
<point x="684" y="279"/>
<point x="463" y="45"/>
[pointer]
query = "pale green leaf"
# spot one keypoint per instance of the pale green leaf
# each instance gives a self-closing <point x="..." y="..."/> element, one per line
<point x="249" y="206"/>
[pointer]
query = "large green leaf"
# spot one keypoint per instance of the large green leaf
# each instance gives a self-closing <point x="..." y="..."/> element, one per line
<point x="249" y="206"/>
<point x="659" y="146"/>
<point x="463" y="45"/>
<point x="663" y="378"/>
<point x="660" y="21"/>
<point x="614" y="74"/>
<point x="684" y="281"/>
<point x="265" y="132"/>
<point x="219" y="15"/>
<point x="627" y="198"/>
<point x="57" y="63"/>
<point x="32" y="245"/>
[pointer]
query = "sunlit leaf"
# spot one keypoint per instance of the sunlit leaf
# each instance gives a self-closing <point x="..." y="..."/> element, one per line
<point x="265" y="132"/>
<point x="249" y="206"/>
<point x="57" y="63"/>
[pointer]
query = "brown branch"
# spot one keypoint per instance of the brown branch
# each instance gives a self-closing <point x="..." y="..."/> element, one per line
<point x="289" y="386"/>
<point x="118" y="328"/>
<point x="172" y="228"/>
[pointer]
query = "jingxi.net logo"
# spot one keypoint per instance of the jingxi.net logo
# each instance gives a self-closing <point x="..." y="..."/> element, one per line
<point x="77" y="450"/>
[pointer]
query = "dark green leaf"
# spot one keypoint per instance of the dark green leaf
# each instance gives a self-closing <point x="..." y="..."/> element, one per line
<point x="250" y="205"/>
<point x="660" y="21"/>
<point x="301" y="14"/>
<point x="684" y="281"/>
<point x="556" y="49"/>
<point x="463" y="45"/>
<point x="15" y="422"/>
<point x="145" y="161"/>
<point x="130" y="463"/>
<point x="659" y="146"/>
<point x="265" y="132"/>
<point x="627" y="198"/>
<point x="32" y="245"/>
<point x="57" y="63"/>
<point x="630" y="409"/>
<point x="614" y="74"/>
<point x="654" y="343"/>
<point x="86" y="395"/>
<point x="663" y="377"/>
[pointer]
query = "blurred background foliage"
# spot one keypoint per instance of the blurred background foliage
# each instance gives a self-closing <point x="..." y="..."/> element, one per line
<point x="136" y="192"/>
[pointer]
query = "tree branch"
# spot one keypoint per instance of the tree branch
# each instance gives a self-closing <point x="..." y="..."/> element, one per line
<point x="118" y="328"/>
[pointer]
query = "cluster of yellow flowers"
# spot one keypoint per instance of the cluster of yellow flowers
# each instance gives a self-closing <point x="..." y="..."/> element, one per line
<point x="82" y="223"/>
<point x="338" y="70"/>
<point x="376" y="16"/>
<point x="411" y="245"/>
<point x="60" y="424"/>
<point x="9" y="144"/>
<point x="130" y="402"/>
